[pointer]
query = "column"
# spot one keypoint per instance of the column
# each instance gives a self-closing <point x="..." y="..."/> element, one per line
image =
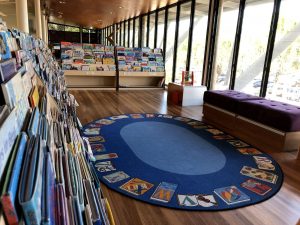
<point x="22" y="15"/>
<point x="43" y="27"/>
<point x="38" y="18"/>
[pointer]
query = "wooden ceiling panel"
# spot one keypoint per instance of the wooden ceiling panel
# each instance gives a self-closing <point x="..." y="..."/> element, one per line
<point x="101" y="13"/>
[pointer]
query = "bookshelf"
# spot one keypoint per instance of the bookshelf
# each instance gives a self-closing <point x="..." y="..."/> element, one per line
<point x="138" y="80"/>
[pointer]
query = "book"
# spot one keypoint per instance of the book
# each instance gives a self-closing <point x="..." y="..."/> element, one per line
<point x="256" y="187"/>
<point x="9" y="194"/>
<point x="34" y="97"/>
<point x="7" y="69"/>
<point x="4" y="46"/>
<point x="136" y="186"/>
<point x="8" y="134"/>
<point x="264" y="163"/>
<point x="116" y="177"/>
<point x="164" y="192"/>
<point x="4" y="112"/>
<point x="259" y="174"/>
<point x="231" y="195"/>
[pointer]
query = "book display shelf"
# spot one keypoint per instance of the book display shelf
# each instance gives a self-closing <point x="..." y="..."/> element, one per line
<point x="106" y="67"/>
<point x="46" y="172"/>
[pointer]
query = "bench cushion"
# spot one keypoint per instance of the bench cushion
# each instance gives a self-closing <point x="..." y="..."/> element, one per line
<point x="227" y="100"/>
<point x="282" y="116"/>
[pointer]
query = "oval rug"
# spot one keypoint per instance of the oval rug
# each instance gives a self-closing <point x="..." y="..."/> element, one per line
<point x="180" y="163"/>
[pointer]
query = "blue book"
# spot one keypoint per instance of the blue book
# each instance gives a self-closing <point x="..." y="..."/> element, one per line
<point x="33" y="123"/>
<point x="7" y="70"/>
<point x="4" y="51"/>
<point x="31" y="185"/>
<point x="48" y="197"/>
<point x="10" y="187"/>
<point x="231" y="195"/>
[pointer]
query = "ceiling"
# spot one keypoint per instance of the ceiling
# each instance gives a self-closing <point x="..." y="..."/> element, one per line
<point x="101" y="13"/>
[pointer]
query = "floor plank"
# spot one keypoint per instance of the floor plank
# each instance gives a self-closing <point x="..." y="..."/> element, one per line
<point x="284" y="208"/>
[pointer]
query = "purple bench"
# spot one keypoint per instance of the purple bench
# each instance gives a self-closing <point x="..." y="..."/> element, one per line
<point x="268" y="124"/>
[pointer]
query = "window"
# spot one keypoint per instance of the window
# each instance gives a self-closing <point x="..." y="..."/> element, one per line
<point x="254" y="39"/>
<point x="183" y="40"/>
<point x="160" y="29"/>
<point x="170" y="43"/>
<point x="223" y="60"/>
<point x="199" y="40"/>
<point x="284" y="78"/>
<point x="121" y="34"/>
<point x="144" y="34"/>
<point x="151" y="30"/>
<point x="136" y="32"/>
<point x="57" y="27"/>
<point x="131" y="34"/>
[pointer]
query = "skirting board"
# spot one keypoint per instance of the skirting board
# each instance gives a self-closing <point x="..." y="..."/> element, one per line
<point x="256" y="134"/>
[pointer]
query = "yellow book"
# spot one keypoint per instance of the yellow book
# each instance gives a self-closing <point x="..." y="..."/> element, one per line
<point x="34" y="97"/>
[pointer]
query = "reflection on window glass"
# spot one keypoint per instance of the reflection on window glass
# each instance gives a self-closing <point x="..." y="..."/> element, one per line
<point x="284" y="79"/>
<point x="170" y="43"/>
<point x="136" y="32"/>
<point x="183" y="40"/>
<point x="126" y="34"/>
<point x="152" y="30"/>
<point x="160" y="29"/>
<point x="225" y="46"/>
<point x="56" y="27"/>
<point x="131" y="34"/>
<point x="199" y="39"/>
<point x="144" y="33"/>
<point x="254" y="39"/>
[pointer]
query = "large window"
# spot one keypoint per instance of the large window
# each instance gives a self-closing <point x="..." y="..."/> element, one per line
<point x="199" y="39"/>
<point x="136" y="32"/>
<point x="131" y="34"/>
<point x="144" y="32"/>
<point x="284" y="79"/>
<point x="160" y="29"/>
<point x="151" y="30"/>
<point x="183" y="40"/>
<point x="170" y="43"/>
<point x="254" y="39"/>
<point x="223" y="60"/>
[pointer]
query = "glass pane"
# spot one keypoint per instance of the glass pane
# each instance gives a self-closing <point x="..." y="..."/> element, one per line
<point x="225" y="46"/>
<point x="183" y="40"/>
<point x="144" y="34"/>
<point x="136" y="32"/>
<point x="121" y="31"/>
<point x="131" y="33"/>
<point x="199" y="40"/>
<point x="254" y="39"/>
<point x="152" y="30"/>
<point x="170" y="43"/>
<point x="160" y="29"/>
<point x="284" y="79"/>
<point x="56" y="27"/>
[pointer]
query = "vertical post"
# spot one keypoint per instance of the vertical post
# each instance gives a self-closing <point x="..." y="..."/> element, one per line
<point x="80" y="30"/>
<point x="176" y="42"/>
<point x="43" y="26"/>
<point x="22" y="15"/>
<point x="133" y="33"/>
<point x="165" y="32"/>
<point x="191" y="32"/>
<point x="124" y="33"/>
<point x="237" y="44"/>
<point x="38" y="18"/>
<point x="140" y="32"/>
<point x="128" y="41"/>
<point x="148" y="29"/>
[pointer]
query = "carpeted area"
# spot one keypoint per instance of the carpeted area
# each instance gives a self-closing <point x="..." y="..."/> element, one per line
<point x="180" y="163"/>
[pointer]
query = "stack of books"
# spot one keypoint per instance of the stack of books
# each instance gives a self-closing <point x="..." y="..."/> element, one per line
<point x="46" y="175"/>
<point x="140" y="59"/>
<point x="87" y="57"/>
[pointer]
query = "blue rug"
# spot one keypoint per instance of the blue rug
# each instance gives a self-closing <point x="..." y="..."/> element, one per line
<point x="180" y="163"/>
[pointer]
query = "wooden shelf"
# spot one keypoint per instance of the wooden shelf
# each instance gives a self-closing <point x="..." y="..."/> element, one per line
<point x="141" y="74"/>
<point x="90" y="73"/>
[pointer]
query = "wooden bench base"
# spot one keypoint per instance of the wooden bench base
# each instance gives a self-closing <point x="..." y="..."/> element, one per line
<point x="256" y="134"/>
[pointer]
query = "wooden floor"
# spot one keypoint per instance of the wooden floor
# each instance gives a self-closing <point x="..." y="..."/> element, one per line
<point x="284" y="208"/>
